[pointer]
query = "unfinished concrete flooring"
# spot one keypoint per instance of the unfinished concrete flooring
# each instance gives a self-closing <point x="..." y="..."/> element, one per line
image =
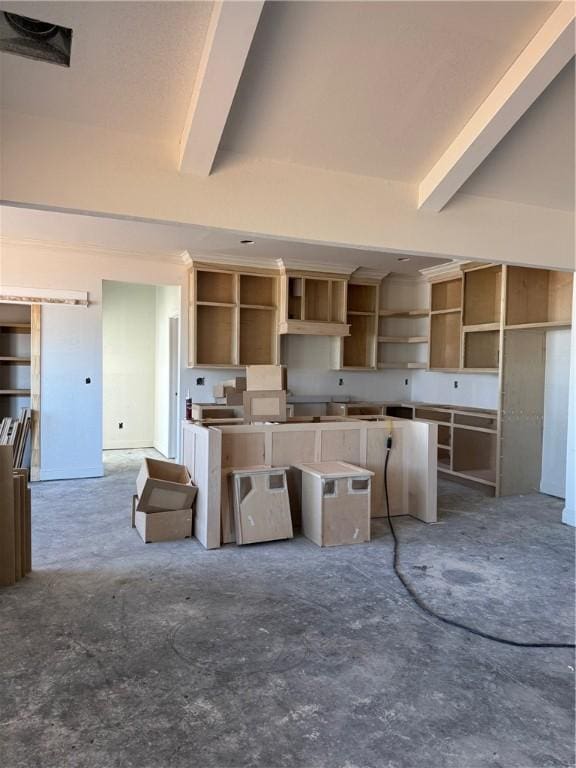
<point x="117" y="654"/>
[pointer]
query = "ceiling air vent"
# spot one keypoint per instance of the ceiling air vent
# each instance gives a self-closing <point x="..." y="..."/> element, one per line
<point x="35" y="39"/>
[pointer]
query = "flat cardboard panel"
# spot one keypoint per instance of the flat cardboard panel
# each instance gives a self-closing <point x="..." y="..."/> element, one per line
<point x="265" y="377"/>
<point x="164" y="526"/>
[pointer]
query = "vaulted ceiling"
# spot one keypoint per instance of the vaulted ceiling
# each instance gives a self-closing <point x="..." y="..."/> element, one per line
<point x="193" y="112"/>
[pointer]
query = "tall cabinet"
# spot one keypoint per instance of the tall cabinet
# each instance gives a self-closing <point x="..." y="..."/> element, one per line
<point x="488" y="318"/>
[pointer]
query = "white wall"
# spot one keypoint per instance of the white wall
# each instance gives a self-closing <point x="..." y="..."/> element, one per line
<point x="128" y="331"/>
<point x="167" y="300"/>
<point x="569" y="512"/>
<point x="475" y="389"/>
<point x="71" y="410"/>
<point x="555" y="433"/>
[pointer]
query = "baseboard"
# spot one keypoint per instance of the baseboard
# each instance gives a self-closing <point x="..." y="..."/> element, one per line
<point x="120" y="445"/>
<point x="73" y="473"/>
<point x="569" y="517"/>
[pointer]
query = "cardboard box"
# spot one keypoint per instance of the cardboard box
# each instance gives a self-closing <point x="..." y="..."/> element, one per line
<point x="163" y="485"/>
<point x="169" y="525"/>
<point x="266" y="377"/>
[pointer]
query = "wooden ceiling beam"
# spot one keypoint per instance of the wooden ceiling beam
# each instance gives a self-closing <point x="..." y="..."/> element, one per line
<point x="228" y="40"/>
<point x="534" y="69"/>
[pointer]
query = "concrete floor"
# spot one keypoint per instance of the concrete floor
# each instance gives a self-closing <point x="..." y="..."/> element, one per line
<point x="117" y="654"/>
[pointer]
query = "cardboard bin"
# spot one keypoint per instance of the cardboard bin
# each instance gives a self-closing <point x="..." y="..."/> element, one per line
<point x="164" y="486"/>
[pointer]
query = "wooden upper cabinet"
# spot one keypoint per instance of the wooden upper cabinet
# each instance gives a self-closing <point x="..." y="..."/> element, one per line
<point x="233" y="317"/>
<point x="313" y="304"/>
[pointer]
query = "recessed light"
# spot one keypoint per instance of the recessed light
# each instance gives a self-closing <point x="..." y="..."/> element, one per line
<point x="246" y="242"/>
<point x="404" y="258"/>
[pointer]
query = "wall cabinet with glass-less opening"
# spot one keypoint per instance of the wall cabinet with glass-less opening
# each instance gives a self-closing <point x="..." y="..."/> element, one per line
<point x="313" y="304"/>
<point x="233" y="317"/>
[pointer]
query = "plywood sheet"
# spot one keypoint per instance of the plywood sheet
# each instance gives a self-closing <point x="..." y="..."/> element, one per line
<point x="202" y="456"/>
<point x="243" y="449"/>
<point x="7" y="533"/>
<point x="341" y="444"/>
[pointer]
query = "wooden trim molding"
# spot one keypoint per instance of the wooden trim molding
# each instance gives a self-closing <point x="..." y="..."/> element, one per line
<point x="35" y="345"/>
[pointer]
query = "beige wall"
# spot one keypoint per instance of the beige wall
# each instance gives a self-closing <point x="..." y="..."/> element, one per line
<point x="128" y="364"/>
<point x="48" y="163"/>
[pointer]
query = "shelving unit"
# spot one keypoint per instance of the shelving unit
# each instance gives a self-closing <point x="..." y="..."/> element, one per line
<point x="445" y="336"/>
<point x="358" y="351"/>
<point x="538" y="298"/>
<point x="313" y="304"/>
<point x="402" y="324"/>
<point x="233" y="317"/>
<point x="20" y="369"/>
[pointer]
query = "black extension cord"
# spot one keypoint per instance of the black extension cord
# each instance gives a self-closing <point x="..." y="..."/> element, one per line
<point x="422" y="605"/>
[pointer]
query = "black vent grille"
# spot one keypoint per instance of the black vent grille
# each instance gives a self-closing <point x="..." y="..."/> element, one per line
<point x="35" y="39"/>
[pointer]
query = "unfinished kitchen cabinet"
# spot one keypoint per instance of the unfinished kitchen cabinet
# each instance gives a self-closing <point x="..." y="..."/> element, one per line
<point x="403" y="319"/>
<point x="335" y="503"/>
<point x="538" y="298"/>
<point x="482" y="303"/>
<point x="445" y="336"/>
<point x="358" y="351"/>
<point x="313" y="303"/>
<point x="261" y="504"/>
<point x="233" y="317"/>
<point x="481" y="351"/>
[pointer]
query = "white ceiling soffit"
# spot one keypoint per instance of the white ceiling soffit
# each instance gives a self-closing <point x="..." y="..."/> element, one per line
<point x="168" y="241"/>
<point x="372" y="88"/>
<point x="230" y="33"/>
<point x="538" y="64"/>
<point x="535" y="162"/>
<point x="132" y="66"/>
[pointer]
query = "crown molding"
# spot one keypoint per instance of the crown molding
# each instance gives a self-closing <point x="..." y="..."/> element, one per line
<point x="261" y="262"/>
<point x="305" y="265"/>
<point x="19" y="295"/>
<point x="89" y="248"/>
<point x="369" y="273"/>
<point x="440" y="270"/>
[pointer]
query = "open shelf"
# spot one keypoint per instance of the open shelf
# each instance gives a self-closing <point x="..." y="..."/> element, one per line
<point x="474" y="454"/>
<point x="9" y="327"/>
<point x="536" y="297"/>
<point x="482" y="349"/>
<point x="362" y="298"/>
<point x="482" y="296"/>
<point x="317" y="300"/>
<point x="295" y="285"/>
<point x="402" y="365"/>
<point x="404" y="312"/>
<point x="447" y="295"/>
<point x="257" y="290"/>
<point x="445" y="340"/>
<point x="444" y="435"/>
<point x="215" y="332"/>
<point x="403" y="339"/>
<point x="215" y="287"/>
<point x="359" y="345"/>
<point x="15" y="360"/>
<point x="16" y="392"/>
<point x="443" y="457"/>
<point x="257" y="337"/>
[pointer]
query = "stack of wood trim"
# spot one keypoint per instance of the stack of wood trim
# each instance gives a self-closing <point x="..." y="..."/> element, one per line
<point x="15" y="520"/>
<point x="15" y="433"/>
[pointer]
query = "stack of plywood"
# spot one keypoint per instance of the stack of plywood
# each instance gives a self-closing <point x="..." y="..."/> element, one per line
<point x="15" y="432"/>
<point x="15" y="520"/>
<point x="162" y="508"/>
<point x="265" y="396"/>
<point x="230" y="392"/>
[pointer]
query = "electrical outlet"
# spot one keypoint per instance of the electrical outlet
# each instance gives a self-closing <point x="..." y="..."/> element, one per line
<point x="455" y="385"/>
<point x="88" y="381"/>
<point x="200" y="382"/>
<point x="340" y="382"/>
<point x="120" y="425"/>
<point x="405" y="382"/>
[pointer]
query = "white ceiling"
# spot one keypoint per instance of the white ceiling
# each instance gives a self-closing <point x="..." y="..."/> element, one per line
<point x="373" y="88"/>
<point x="133" y="65"/>
<point x="534" y="164"/>
<point x="169" y="241"/>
